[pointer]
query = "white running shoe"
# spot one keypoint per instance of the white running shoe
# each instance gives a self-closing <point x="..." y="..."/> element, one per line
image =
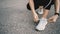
<point x="42" y="24"/>
<point x="40" y="11"/>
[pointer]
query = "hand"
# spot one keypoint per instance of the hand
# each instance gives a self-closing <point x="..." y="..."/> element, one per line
<point x="36" y="18"/>
<point x="53" y="18"/>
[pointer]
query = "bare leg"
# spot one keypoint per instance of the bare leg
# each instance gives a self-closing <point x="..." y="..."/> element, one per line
<point x="40" y="7"/>
<point x="45" y="13"/>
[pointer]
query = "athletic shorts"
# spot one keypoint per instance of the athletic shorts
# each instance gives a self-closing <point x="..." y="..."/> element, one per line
<point x="43" y="3"/>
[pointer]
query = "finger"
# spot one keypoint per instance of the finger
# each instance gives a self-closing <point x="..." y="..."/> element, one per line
<point x="51" y="21"/>
<point x="51" y="18"/>
<point x="54" y="20"/>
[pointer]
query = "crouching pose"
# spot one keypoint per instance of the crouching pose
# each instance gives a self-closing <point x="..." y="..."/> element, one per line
<point x="46" y="4"/>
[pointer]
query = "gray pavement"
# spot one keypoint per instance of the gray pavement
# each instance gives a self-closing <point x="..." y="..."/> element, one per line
<point x="16" y="19"/>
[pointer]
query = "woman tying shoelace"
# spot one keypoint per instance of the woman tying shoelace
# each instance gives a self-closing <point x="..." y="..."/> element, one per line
<point x="46" y="5"/>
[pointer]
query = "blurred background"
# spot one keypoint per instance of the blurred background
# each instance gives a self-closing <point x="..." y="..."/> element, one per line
<point x="16" y="19"/>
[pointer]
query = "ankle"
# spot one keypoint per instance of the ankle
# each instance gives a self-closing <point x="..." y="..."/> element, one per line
<point x="44" y="18"/>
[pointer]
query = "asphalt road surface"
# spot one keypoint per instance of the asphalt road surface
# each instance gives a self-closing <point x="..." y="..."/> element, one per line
<point x="16" y="19"/>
